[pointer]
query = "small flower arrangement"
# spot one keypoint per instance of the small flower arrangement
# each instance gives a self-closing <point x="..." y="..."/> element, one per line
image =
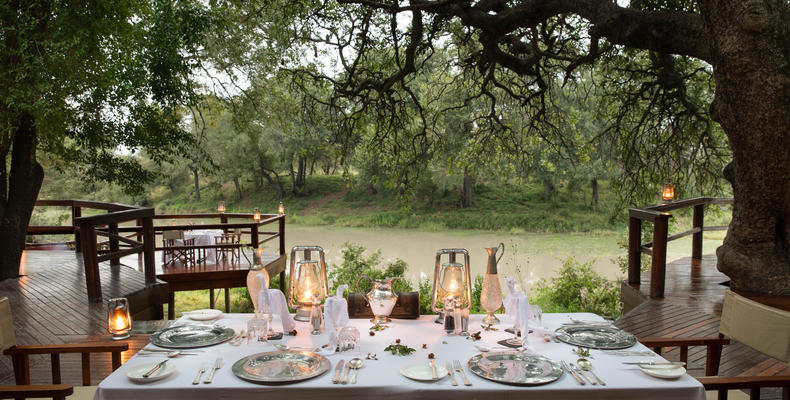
<point x="399" y="349"/>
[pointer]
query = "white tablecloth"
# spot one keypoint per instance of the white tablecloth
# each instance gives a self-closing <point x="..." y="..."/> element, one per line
<point x="381" y="379"/>
<point x="203" y="237"/>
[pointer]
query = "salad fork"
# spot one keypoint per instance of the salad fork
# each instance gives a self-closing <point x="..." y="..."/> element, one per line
<point x="457" y="366"/>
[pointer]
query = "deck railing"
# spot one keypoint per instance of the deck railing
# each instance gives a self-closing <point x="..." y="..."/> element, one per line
<point x="87" y="229"/>
<point x="659" y="215"/>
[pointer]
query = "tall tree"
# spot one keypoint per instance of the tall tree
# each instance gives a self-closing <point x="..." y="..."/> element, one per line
<point x="79" y="81"/>
<point x="518" y="47"/>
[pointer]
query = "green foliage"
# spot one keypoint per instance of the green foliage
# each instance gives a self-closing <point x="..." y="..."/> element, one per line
<point x="578" y="288"/>
<point x="356" y="264"/>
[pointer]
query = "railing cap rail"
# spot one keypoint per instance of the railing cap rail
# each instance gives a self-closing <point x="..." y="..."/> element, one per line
<point x="651" y="213"/>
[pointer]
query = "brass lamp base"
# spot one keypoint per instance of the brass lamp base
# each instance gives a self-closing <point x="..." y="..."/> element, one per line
<point x="490" y="319"/>
<point x="303" y="313"/>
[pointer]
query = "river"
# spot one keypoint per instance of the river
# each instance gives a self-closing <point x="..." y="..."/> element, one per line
<point x="528" y="256"/>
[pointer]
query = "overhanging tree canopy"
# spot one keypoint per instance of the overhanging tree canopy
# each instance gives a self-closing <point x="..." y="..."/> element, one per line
<point x="522" y="49"/>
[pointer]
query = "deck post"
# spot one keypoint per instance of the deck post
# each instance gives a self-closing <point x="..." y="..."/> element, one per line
<point x="114" y="248"/>
<point x="696" y="239"/>
<point x="254" y="241"/>
<point x="149" y="245"/>
<point x="658" y="268"/>
<point x="76" y="212"/>
<point x="634" y="250"/>
<point x="90" y="260"/>
<point x="282" y="251"/>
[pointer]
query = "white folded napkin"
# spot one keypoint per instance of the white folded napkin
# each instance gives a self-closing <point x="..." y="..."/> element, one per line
<point x="511" y="301"/>
<point x="272" y="301"/>
<point x="336" y="313"/>
<point x="522" y="317"/>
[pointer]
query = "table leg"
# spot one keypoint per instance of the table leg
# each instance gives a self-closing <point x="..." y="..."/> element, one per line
<point x="171" y="305"/>
<point x="211" y="298"/>
<point x="227" y="300"/>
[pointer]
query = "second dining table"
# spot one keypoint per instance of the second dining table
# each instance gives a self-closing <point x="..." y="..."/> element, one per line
<point x="381" y="378"/>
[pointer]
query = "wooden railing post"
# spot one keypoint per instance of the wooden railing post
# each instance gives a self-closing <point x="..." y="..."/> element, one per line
<point x="282" y="251"/>
<point x="634" y="250"/>
<point x="659" y="261"/>
<point x="76" y="212"/>
<point x="254" y="236"/>
<point x="90" y="260"/>
<point x="139" y="224"/>
<point x="149" y="245"/>
<point x="114" y="248"/>
<point x="696" y="239"/>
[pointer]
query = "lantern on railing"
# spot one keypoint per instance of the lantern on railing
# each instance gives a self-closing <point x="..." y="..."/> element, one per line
<point x="451" y="282"/>
<point x="307" y="279"/>
<point x="256" y="215"/>
<point x="221" y="207"/>
<point x="281" y="209"/>
<point x="119" y="323"/>
<point x="668" y="192"/>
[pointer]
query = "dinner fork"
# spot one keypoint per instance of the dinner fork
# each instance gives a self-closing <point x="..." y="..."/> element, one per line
<point x="457" y="366"/>
<point x="452" y="374"/>
<point x="217" y="365"/>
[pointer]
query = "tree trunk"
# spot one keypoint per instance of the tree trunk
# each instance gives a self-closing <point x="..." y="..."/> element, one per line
<point x="197" y="182"/>
<point x="550" y="188"/>
<point x="468" y="183"/>
<point x="751" y="104"/>
<point x="595" y="192"/>
<point x="238" y="187"/>
<point x="18" y="195"/>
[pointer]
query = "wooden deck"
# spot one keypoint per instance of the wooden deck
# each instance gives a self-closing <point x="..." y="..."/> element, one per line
<point x="692" y="308"/>
<point x="50" y="306"/>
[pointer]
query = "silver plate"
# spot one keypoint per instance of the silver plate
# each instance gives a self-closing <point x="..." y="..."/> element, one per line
<point x="515" y="368"/>
<point x="596" y="337"/>
<point x="280" y="367"/>
<point x="191" y="336"/>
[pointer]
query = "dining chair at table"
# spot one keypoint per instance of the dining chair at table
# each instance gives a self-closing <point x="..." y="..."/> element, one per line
<point x="232" y="250"/>
<point x="765" y="329"/>
<point x="171" y="239"/>
<point x="20" y="358"/>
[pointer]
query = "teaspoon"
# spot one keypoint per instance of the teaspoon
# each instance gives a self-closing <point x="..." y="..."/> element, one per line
<point x="586" y="365"/>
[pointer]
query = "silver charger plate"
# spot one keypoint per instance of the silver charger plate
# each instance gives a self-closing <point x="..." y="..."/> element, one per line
<point x="515" y="368"/>
<point x="281" y="367"/>
<point x="599" y="337"/>
<point x="191" y="336"/>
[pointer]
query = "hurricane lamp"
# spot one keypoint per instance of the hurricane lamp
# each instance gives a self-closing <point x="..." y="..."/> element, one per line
<point x="119" y="323"/>
<point x="307" y="279"/>
<point x="451" y="282"/>
<point x="221" y="207"/>
<point x="668" y="192"/>
<point x="281" y="209"/>
<point x="256" y="215"/>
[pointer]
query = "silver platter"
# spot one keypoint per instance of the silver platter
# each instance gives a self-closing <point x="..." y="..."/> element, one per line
<point x="281" y="367"/>
<point x="515" y="368"/>
<point x="596" y="337"/>
<point x="191" y="336"/>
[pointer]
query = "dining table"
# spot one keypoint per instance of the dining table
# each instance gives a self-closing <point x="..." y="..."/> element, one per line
<point x="203" y="237"/>
<point x="380" y="378"/>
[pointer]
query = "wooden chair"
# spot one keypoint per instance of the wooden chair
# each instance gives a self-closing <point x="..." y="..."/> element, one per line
<point x="20" y="357"/>
<point x="230" y="252"/>
<point x="186" y="256"/>
<point x="765" y="329"/>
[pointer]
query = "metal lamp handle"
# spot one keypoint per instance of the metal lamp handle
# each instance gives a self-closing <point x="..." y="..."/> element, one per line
<point x="502" y="245"/>
<point x="363" y="294"/>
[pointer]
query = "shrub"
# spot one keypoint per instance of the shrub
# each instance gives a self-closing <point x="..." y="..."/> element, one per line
<point x="355" y="264"/>
<point x="579" y="289"/>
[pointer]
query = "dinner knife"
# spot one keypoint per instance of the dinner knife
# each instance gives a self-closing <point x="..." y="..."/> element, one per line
<point x="433" y="370"/>
<point x="656" y="363"/>
<point x="217" y="365"/>
<point x="154" y="369"/>
<point x="199" y="374"/>
<point x="567" y="368"/>
<point x="338" y="369"/>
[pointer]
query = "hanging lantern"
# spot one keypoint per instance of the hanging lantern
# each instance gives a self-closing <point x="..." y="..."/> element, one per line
<point x="668" y="192"/>
<point x="281" y="209"/>
<point x="119" y="323"/>
<point x="451" y="282"/>
<point x="256" y="215"/>
<point x="221" y="207"/>
<point x="307" y="278"/>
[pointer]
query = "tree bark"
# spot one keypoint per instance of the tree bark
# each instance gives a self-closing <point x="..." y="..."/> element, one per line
<point x="19" y="193"/>
<point x="595" y="192"/>
<point x="751" y="104"/>
<point x="238" y="187"/>
<point x="197" y="182"/>
<point x="468" y="184"/>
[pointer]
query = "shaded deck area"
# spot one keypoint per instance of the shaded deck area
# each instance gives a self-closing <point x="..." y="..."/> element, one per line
<point x="692" y="308"/>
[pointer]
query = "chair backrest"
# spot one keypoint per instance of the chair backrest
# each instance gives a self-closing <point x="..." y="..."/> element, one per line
<point x="7" y="337"/>
<point x="172" y="235"/>
<point x="761" y="327"/>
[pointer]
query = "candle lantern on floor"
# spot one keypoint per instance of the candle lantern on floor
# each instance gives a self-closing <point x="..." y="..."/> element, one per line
<point x="281" y="209"/>
<point x="307" y="278"/>
<point x="491" y="295"/>
<point x="119" y="323"/>
<point x="221" y="207"/>
<point x="451" y="282"/>
<point x="668" y="192"/>
<point x="256" y="215"/>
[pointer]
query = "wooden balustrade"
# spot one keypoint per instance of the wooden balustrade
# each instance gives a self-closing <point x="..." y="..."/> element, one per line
<point x="87" y="229"/>
<point x="659" y="215"/>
